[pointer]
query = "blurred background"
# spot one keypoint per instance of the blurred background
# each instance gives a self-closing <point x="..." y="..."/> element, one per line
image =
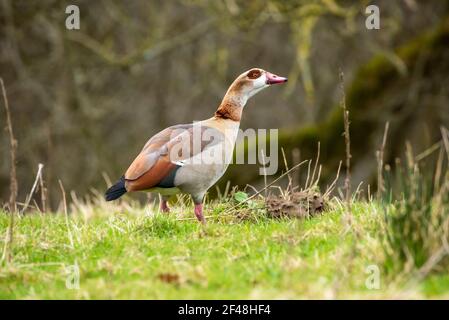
<point x="84" y="102"/>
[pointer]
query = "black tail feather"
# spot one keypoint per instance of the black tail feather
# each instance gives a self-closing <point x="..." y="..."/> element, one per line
<point x="117" y="190"/>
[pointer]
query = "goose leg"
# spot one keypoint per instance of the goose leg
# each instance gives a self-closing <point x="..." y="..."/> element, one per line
<point x="163" y="207"/>
<point x="199" y="213"/>
<point x="198" y="201"/>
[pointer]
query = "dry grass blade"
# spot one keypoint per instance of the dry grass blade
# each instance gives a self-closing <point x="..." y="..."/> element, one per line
<point x="296" y="156"/>
<point x="290" y="179"/>
<point x="380" y="164"/>
<point x="264" y="171"/>
<point x="445" y="134"/>
<point x="438" y="171"/>
<point x="33" y="189"/>
<point x="332" y="185"/>
<point x="315" y="166"/>
<point x="66" y="214"/>
<point x="43" y="194"/>
<point x="308" y="174"/>
<point x="428" y="151"/>
<point x="106" y="179"/>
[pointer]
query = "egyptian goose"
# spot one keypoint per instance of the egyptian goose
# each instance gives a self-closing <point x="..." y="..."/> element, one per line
<point x="190" y="158"/>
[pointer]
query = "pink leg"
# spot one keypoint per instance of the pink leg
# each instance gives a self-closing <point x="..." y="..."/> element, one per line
<point x="163" y="206"/>
<point x="199" y="213"/>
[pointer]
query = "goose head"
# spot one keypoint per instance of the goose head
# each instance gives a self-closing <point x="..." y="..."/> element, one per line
<point x="244" y="87"/>
<point x="253" y="81"/>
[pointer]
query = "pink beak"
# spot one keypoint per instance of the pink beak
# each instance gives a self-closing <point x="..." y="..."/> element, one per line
<point x="273" y="79"/>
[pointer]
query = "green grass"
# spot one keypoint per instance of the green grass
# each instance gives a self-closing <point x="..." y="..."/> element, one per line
<point x="129" y="255"/>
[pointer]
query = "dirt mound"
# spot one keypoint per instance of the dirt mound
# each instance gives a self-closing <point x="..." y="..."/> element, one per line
<point x="296" y="205"/>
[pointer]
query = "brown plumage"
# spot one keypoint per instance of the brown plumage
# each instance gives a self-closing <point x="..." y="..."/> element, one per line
<point x="229" y="110"/>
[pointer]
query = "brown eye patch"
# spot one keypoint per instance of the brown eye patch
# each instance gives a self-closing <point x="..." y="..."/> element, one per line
<point x="254" y="74"/>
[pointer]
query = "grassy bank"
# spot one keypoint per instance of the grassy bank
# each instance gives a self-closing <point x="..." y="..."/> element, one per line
<point x="139" y="254"/>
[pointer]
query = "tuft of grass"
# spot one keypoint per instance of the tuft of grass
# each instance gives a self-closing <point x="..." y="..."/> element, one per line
<point x="417" y="220"/>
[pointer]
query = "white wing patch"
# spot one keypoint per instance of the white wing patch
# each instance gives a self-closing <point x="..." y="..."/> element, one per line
<point x="180" y="163"/>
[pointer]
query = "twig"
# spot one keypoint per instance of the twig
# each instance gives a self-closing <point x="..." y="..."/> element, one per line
<point x="315" y="166"/>
<point x="226" y="191"/>
<point x="43" y="193"/>
<point x="6" y="256"/>
<point x="438" y="171"/>
<point x="250" y="186"/>
<point x="445" y="134"/>
<point x="21" y="204"/>
<point x="264" y="171"/>
<point x="296" y="155"/>
<point x="308" y="174"/>
<point x="332" y="185"/>
<point x="66" y="214"/>
<point x="36" y="206"/>
<point x="348" y="145"/>
<point x="380" y="164"/>
<point x="30" y="195"/>
<point x="318" y="176"/>
<point x="428" y="151"/>
<point x="290" y="181"/>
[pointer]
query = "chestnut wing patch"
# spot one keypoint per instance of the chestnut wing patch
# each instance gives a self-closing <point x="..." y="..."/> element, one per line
<point x="152" y="151"/>
<point x="154" y="163"/>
